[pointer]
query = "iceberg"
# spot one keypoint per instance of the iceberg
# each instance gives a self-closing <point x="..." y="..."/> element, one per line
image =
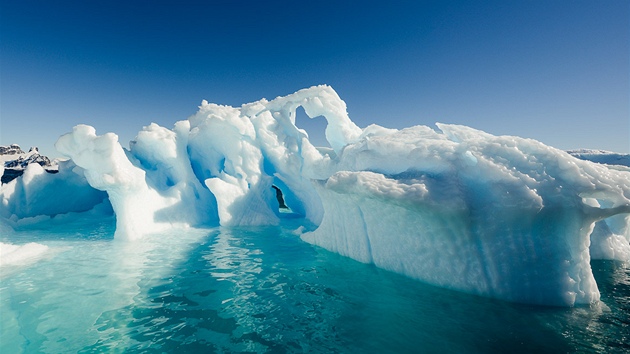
<point x="498" y="216"/>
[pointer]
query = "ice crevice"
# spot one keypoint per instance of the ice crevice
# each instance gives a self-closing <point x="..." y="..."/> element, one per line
<point x="497" y="216"/>
<point x="368" y="244"/>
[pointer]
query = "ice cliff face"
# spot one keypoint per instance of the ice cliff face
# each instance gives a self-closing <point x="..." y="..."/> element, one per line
<point x="512" y="214"/>
<point x="503" y="216"/>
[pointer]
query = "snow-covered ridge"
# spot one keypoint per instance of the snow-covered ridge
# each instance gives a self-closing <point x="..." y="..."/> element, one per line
<point x="498" y="216"/>
<point x="12" y="149"/>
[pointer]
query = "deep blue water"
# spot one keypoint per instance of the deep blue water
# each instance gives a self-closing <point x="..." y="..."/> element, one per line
<point x="257" y="290"/>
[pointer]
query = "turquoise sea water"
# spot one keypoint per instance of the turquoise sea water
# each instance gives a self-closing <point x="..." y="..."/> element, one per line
<point x="263" y="290"/>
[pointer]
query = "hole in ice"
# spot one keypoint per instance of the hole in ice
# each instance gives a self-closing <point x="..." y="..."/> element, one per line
<point x="280" y="198"/>
<point x="315" y="127"/>
<point x="285" y="210"/>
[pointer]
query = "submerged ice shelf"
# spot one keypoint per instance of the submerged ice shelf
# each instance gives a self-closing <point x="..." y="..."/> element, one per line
<point x="498" y="216"/>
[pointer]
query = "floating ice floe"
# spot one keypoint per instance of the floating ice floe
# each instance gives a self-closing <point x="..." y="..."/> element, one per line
<point x="17" y="255"/>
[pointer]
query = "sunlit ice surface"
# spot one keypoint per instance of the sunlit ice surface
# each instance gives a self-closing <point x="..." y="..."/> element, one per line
<point x="499" y="216"/>
<point x="261" y="289"/>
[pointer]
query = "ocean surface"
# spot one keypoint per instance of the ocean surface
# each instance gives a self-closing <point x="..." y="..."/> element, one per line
<point x="263" y="290"/>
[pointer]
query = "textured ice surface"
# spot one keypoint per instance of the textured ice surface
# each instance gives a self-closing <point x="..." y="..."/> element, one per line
<point x="507" y="212"/>
<point x="498" y="216"/>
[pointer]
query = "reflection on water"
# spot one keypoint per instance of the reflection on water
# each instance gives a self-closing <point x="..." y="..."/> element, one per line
<point x="264" y="290"/>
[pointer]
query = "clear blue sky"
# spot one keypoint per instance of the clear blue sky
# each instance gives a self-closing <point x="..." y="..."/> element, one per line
<point x="555" y="71"/>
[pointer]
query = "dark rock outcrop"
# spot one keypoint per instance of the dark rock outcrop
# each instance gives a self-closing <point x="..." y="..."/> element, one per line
<point x="11" y="150"/>
<point x="16" y="161"/>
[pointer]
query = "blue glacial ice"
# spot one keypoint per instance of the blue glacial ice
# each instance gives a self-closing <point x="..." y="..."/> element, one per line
<point x="498" y="216"/>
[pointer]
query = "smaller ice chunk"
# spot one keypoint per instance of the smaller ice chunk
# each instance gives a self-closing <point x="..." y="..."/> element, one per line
<point x="606" y="245"/>
<point x="610" y="237"/>
<point x="21" y="254"/>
